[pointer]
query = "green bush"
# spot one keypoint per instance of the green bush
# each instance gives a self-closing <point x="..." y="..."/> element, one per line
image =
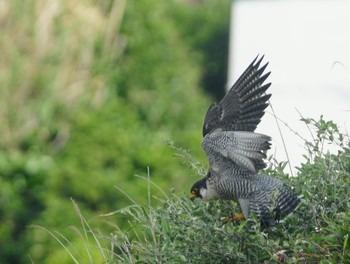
<point x="318" y="231"/>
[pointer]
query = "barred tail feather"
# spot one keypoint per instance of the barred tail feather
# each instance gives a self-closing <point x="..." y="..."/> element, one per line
<point x="263" y="212"/>
<point x="287" y="202"/>
<point x="271" y="206"/>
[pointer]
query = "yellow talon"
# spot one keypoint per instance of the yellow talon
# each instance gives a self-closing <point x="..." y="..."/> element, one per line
<point x="234" y="218"/>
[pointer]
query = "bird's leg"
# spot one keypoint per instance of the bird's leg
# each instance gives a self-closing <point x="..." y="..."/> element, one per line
<point x="234" y="218"/>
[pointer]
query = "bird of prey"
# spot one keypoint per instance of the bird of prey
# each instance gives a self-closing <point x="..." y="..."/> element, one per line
<point x="235" y="152"/>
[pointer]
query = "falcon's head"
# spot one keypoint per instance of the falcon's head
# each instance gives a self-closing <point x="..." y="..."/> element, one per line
<point x="198" y="189"/>
<point x="204" y="189"/>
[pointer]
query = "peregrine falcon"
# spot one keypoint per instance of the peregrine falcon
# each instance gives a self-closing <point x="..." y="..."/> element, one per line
<point x="235" y="152"/>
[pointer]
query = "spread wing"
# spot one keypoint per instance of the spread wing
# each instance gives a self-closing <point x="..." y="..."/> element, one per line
<point x="243" y="106"/>
<point x="228" y="128"/>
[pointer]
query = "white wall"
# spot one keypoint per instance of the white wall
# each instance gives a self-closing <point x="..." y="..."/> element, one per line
<point x="308" y="46"/>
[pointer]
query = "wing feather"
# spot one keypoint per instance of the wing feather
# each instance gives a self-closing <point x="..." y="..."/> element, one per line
<point x="246" y="149"/>
<point x="228" y="128"/>
<point x="243" y="106"/>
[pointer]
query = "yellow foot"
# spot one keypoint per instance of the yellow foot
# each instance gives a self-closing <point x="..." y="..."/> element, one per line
<point x="233" y="218"/>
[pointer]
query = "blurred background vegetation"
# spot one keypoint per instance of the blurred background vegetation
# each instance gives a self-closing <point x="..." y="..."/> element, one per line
<point x="91" y="92"/>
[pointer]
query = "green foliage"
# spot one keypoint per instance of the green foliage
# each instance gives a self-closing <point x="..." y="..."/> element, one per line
<point x="91" y="92"/>
<point x="22" y="193"/>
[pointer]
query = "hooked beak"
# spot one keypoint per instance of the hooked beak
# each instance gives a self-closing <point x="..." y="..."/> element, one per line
<point x="193" y="196"/>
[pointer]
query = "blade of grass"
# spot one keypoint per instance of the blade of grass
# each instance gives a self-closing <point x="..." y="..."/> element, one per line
<point x="86" y="224"/>
<point x="58" y="240"/>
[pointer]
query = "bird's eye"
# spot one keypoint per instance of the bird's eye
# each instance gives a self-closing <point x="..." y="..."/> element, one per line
<point x="194" y="191"/>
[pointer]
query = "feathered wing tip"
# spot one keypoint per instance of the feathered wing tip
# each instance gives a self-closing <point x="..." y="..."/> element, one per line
<point x="244" y="104"/>
<point x="249" y="92"/>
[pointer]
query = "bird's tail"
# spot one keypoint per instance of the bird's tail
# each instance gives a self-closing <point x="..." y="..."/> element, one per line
<point x="273" y="205"/>
<point x="286" y="203"/>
